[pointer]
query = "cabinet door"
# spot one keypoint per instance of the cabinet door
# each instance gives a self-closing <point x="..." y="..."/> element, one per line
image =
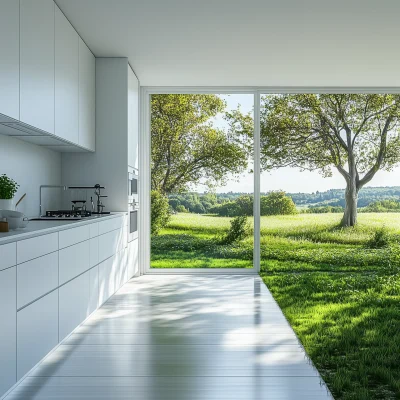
<point x="87" y="83"/>
<point x="37" y="332"/>
<point x="121" y="268"/>
<point x="106" y="280"/>
<point x="94" y="251"/>
<point x="74" y="304"/>
<point x="111" y="243"/>
<point x="37" y="63"/>
<point x="66" y="79"/>
<point x="133" y="259"/>
<point x="133" y="119"/>
<point x="73" y="261"/>
<point x="94" y="289"/>
<point x="9" y="65"/>
<point x="37" y="277"/>
<point x="8" y="255"/>
<point x="8" y="312"/>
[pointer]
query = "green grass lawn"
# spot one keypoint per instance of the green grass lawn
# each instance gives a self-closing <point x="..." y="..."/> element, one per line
<point x="341" y="297"/>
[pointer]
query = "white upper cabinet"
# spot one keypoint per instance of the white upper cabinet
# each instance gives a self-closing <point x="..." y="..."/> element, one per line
<point x="87" y="84"/>
<point x="133" y="119"/>
<point x="9" y="64"/>
<point x="66" y="79"/>
<point x="37" y="63"/>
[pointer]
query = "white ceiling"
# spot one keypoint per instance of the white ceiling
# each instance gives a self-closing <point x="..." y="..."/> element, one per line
<point x="246" y="42"/>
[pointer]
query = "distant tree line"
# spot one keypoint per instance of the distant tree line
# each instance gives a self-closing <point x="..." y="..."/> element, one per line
<point x="382" y="206"/>
<point x="371" y="199"/>
<point x="335" y="197"/>
<point x="274" y="203"/>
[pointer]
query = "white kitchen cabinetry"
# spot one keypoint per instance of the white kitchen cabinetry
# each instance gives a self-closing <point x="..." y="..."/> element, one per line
<point x="9" y="65"/>
<point x="66" y="79"/>
<point x="87" y="102"/>
<point x="50" y="284"/>
<point x="133" y="259"/>
<point x="8" y="331"/>
<point x="73" y="261"/>
<point x="112" y="224"/>
<point x="133" y="119"/>
<point x="94" y="251"/>
<point x="36" y="278"/>
<point x="37" y="332"/>
<point x="109" y="244"/>
<point x="73" y="236"/>
<point x="8" y="255"/>
<point x="37" y="63"/>
<point x="94" y="289"/>
<point x="107" y="279"/>
<point x="36" y="247"/>
<point x="74" y="304"/>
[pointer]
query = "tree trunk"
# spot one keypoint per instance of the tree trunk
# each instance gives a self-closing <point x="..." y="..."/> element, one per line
<point x="350" y="211"/>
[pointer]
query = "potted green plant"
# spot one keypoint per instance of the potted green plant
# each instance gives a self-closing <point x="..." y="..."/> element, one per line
<point x="8" y="188"/>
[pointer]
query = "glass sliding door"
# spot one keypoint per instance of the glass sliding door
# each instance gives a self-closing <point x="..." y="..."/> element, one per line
<point x="202" y="181"/>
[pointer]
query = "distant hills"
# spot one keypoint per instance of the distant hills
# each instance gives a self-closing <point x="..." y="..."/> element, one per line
<point x="335" y="197"/>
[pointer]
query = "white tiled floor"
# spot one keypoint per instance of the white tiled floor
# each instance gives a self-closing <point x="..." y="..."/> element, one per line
<point x="180" y="338"/>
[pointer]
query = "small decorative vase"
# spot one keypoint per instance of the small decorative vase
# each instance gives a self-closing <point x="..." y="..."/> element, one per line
<point x="6" y="204"/>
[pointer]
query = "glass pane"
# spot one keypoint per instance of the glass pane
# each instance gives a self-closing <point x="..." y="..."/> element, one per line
<point x="202" y="180"/>
<point x="329" y="162"/>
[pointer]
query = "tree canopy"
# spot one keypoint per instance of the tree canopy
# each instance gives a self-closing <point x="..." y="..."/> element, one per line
<point x="187" y="147"/>
<point x="358" y="134"/>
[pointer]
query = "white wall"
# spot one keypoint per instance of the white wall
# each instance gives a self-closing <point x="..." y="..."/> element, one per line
<point x="108" y="166"/>
<point x="31" y="166"/>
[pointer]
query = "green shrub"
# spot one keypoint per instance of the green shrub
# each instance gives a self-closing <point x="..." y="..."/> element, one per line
<point x="228" y="209"/>
<point x="238" y="230"/>
<point x="380" y="238"/>
<point x="181" y="209"/>
<point x="160" y="212"/>
<point x="277" y="203"/>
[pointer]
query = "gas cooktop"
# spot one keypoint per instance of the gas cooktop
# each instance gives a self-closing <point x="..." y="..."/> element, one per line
<point x="65" y="215"/>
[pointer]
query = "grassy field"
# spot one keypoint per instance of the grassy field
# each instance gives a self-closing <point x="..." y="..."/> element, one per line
<point x="341" y="295"/>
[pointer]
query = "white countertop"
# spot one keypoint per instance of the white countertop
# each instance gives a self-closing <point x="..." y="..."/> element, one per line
<point x="37" y="228"/>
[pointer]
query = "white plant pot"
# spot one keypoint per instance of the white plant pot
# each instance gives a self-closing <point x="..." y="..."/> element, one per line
<point x="6" y="204"/>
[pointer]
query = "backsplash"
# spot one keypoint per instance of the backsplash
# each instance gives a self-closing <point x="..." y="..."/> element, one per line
<point x="31" y="166"/>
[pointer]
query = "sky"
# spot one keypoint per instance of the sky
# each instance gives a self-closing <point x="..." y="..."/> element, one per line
<point x="291" y="180"/>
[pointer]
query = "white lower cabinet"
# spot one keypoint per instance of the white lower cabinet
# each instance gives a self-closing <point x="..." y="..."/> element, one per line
<point x="94" y="251"/>
<point x="106" y="280"/>
<point x="56" y="284"/>
<point x="111" y="243"/>
<point x="37" y="332"/>
<point x="8" y="312"/>
<point x="37" y="277"/>
<point x="74" y="304"/>
<point x="73" y="261"/>
<point x="8" y="255"/>
<point x="121" y="269"/>
<point x="133" y="259"/>
<point x="94" y="289"/>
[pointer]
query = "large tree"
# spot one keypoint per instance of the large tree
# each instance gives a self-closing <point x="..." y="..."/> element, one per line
<point x="187" y="148"/>
<point x="358" y="134"/>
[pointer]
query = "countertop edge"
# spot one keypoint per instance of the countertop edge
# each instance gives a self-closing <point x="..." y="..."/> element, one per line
<point x="21" y="235"/>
